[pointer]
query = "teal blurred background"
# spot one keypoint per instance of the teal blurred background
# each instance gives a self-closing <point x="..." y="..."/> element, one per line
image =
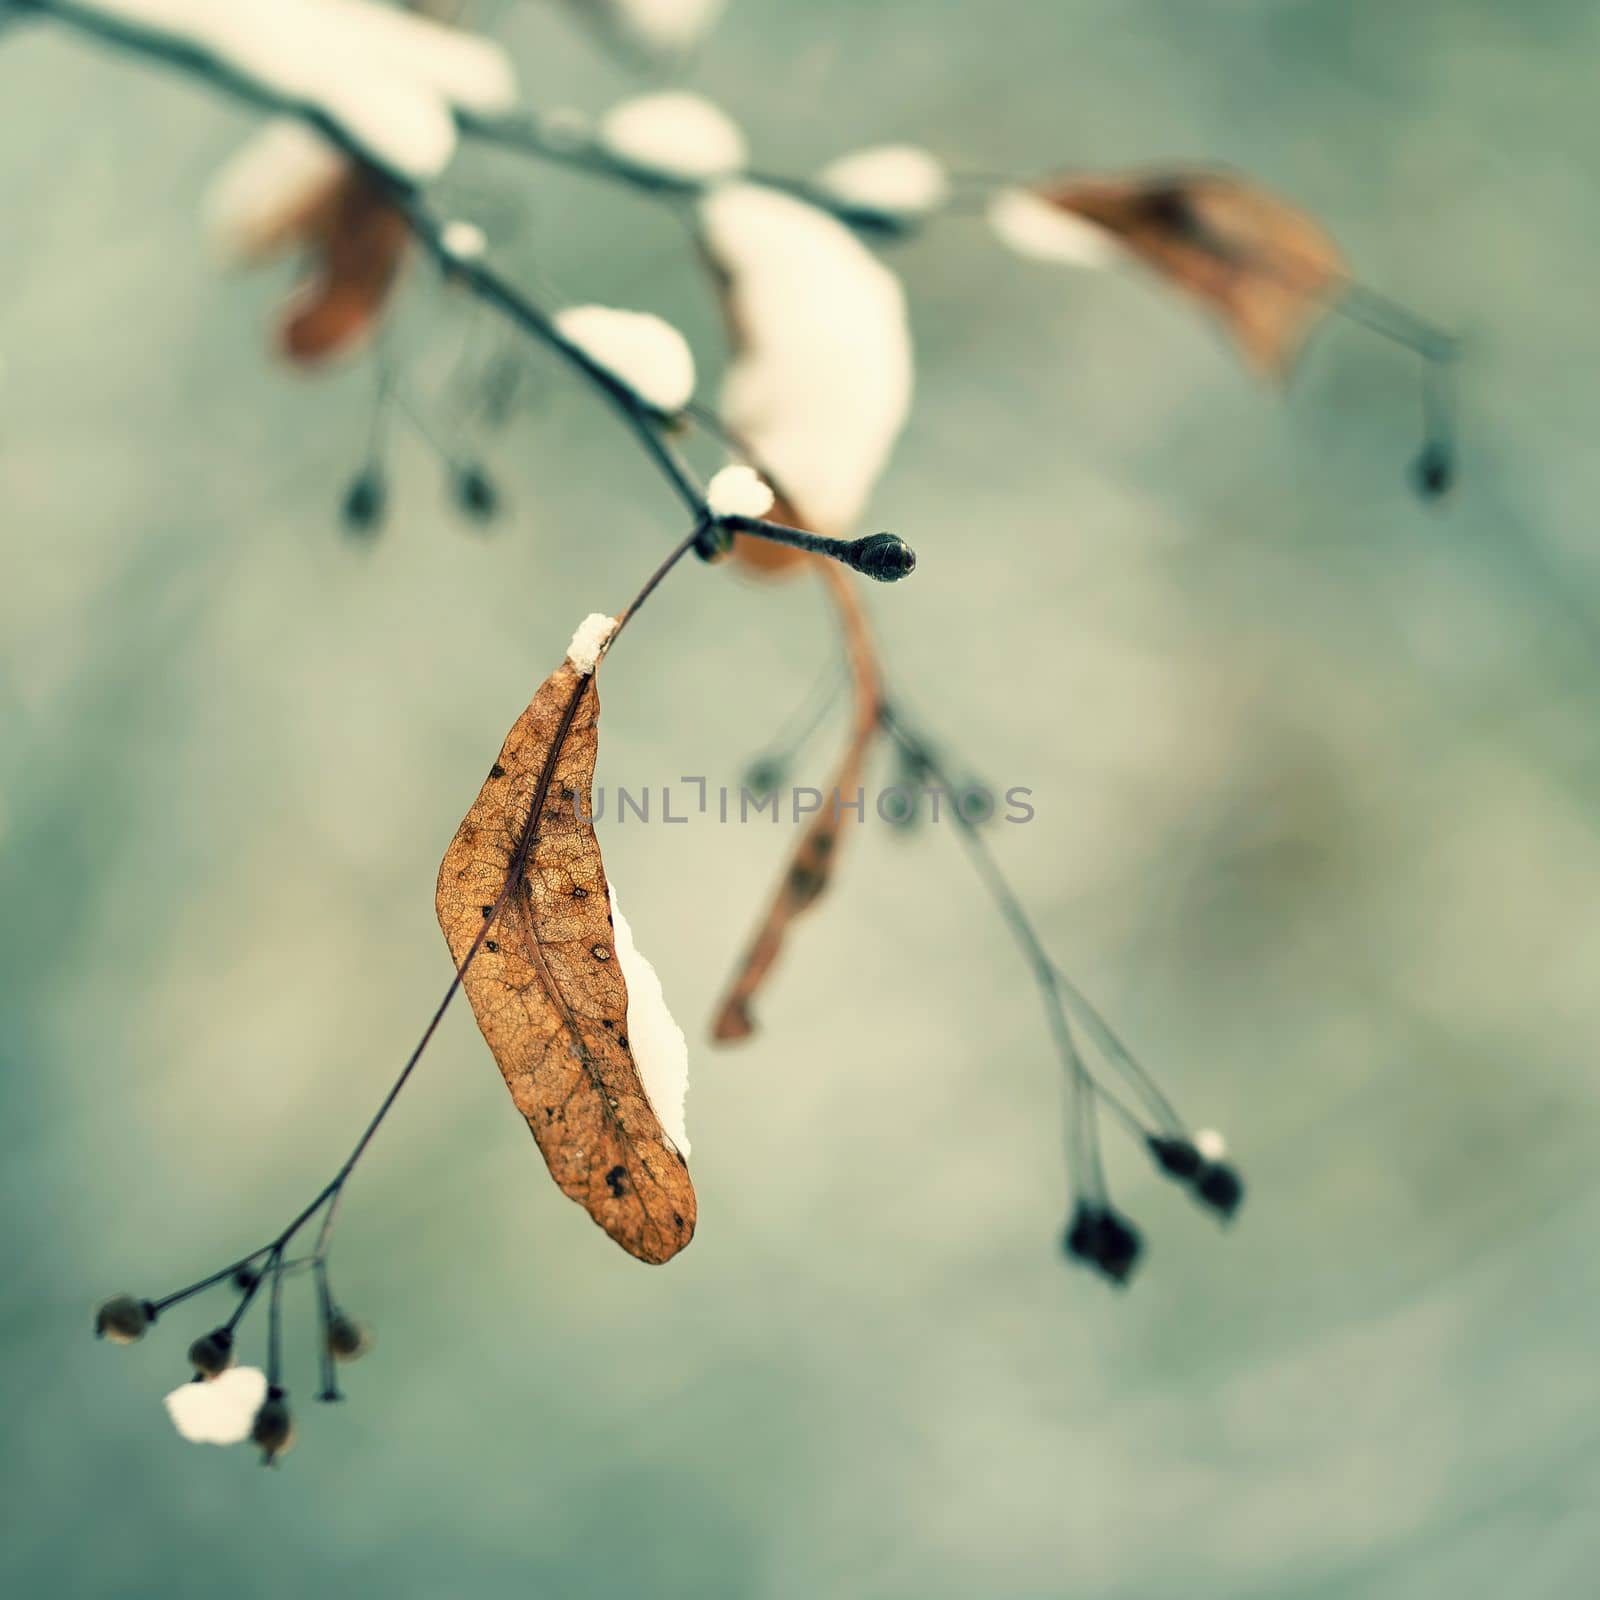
<point x="1317" y="779"/>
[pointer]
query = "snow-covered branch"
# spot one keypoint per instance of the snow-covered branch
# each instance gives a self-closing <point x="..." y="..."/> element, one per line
<point x="389" y="91"/>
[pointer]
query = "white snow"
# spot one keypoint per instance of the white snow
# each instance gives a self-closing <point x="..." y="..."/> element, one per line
<point x="667" y="27"/>
<point x="821" y="381"/>
<point x="739" y="492"/>
<point x="464" y="240"/>
<point x="646" y="353"/>
<point x="587" y="642"/>
<point x="268" y="187"/>
<point x="389" y="79"/>
<point x="1210" y="1144"/>
<point x="900" y="178"/>
<point x="218" y="1410"/>
<point x="680" y="134"/>
<point x="1029" y="225"/>
<point x="659" y="1048"/>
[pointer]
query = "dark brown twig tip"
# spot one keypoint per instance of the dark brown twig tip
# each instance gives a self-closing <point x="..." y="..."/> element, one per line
<point x="883" y="556"/>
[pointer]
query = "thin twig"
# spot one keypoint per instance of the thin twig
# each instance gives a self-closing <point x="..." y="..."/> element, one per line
<point x="1053" y="986"/>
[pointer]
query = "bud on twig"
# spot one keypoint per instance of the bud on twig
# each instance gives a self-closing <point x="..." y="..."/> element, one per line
<point x="1100" y="1238"/>
<point x="365" y="502"/>
<point x="348" y="1340"/>
<point x="1434" y="471"/>
<point x="273" y="1430"/>
<point x="475" y="493"/>
<point x="122" y="1319"/>
<point x="761" y="777"/>
<point x="884" y="556"/>
<point x="212" y="1352"/>
<point x="1176" y="1157"/>
<point x="1220" y="1187"/>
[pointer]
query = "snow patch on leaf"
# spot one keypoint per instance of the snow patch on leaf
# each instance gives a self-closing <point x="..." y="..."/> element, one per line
<point x="659" y="1048"/>
<point x="589" y="641"/>
<point x="644" y="351"/>
<point x="821" y="381"/>
<point x="218" y="1410"/>
<point x="678" y="133"/>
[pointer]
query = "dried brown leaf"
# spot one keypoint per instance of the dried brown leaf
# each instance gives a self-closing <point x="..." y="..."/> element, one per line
<point x="1264" y="267"/>
<point x="811" y="868"/>
<point x="546" y="986"/>
<point x="357" y="238"/>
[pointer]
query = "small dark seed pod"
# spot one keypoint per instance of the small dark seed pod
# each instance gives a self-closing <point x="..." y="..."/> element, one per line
<point x="272" y="1432"/>
<point x="884" y="556"/>
<point x="762" y="777"/>
<point x="1433" y="472"/>
<point x="1120" y="1247"/>
<point x="122" y="1319"/>
<point x="1219" y="1186"/>
<point x="348" y="1340"/>
<point x="1082" y="1237"/>
<point x="1176" y="1157"/>
<point x="245" y="1279"/>
<point x="1101" y="1239"/>
<point x="475" y="493"/>
<point x="212" y="1352"/>
<point x="365" y="502"/>
<point x="905" y="814"/>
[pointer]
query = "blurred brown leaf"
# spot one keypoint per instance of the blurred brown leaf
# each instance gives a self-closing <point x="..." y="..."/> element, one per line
<point x="810" y="869"/>
<point x="546" y="986"/>
<point x="1260" y="264"/>
<point x="357" y="241"/>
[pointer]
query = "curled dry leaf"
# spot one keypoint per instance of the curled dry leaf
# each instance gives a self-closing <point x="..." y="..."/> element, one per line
<point x="1264" y="267"/>
<point x="357" y="241"/>
<point x="818" y="391"/>
<point x="266" y="196"/>
<point x="811" y="867"/>
<point x="288" y="188"/>
<point x="546" y="983"/>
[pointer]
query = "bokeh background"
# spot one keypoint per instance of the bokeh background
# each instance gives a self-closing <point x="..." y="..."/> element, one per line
<point x="1317" y="782"/>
